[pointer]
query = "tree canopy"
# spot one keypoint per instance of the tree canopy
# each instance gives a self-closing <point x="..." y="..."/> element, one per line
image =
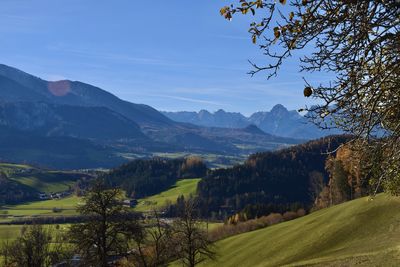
<point x="358" y="41"/>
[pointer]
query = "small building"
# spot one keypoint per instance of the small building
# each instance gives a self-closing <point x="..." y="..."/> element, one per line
<point x="131" y="203"/>
<point x="43" y="196"/>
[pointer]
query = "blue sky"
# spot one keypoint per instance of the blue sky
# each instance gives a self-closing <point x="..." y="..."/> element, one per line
<point x="172" y="55"/>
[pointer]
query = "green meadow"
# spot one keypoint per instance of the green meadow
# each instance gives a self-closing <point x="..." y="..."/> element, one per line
<point x="66" y="205"/>
<point x="361" y="232"/>
<point x="47" y="182"/>
<point x="185" y="187"/>
<point x="9" y="232"/>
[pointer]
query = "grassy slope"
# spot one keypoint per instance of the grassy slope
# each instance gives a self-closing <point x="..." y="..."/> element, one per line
<point x="47" y="182"/>
<point x="10" y="166"/>
<point x="360" y="232"/>
<point x="40" y="180"/>
<point x="183" y="187"/>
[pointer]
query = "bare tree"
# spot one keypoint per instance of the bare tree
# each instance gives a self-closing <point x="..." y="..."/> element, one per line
<point x="160" y="237"/>
<point x="154" y="243"/>
<point x="108" y="229"/>
<point x="358" y="41"/>
<point x="141" y="255"/>
<point x="192" y="243"/>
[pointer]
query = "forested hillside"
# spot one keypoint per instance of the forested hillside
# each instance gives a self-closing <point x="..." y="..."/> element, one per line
<point x="270" y="182"/>
<point x="145" y="177"/>
<point x="13" y="192"/>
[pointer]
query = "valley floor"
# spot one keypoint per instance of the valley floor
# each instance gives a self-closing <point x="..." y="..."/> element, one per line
<point x="67" y="207"/>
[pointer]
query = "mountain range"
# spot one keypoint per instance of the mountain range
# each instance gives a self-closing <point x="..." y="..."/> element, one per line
<point x="70" y="124"/>
<point x="279" y="121"/>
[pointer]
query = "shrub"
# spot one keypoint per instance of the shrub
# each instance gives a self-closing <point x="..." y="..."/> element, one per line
<point x="57" y="210"/>
<point x="238" y="227"/>
<point x="290" y="215"/>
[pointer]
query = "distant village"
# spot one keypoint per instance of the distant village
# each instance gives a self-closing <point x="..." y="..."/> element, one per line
<point x="48" y="196"/>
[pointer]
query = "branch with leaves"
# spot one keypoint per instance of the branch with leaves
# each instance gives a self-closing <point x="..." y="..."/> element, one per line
<point x="358" y="41"/>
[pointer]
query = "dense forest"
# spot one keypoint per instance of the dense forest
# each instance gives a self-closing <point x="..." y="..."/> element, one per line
<point x="145" y="177"/>
<point x="277" y="181"/>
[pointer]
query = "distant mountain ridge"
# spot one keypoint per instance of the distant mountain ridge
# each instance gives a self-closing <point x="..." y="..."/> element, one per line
<point x="279" y="122"/>
<point x="20" y="86"/>
<point x="219" y="118"/>
<point x="65" y="114"/>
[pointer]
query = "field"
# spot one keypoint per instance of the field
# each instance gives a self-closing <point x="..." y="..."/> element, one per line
<point x="361" y="232"/>
<point x="183" y="187"/>
<point x="67" y="206"/>
<point x="39" y="179"/>
<point x="42" y="208"/>
<point x="47" y="182"/>
<point x="9" y="232"/>
<point x="35" y="209"/>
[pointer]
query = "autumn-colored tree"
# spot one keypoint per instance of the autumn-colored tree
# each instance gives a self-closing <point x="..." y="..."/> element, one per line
<point x="357" y="174"/>
<point x="348" y="177"/>
<point x="358" y="42"/>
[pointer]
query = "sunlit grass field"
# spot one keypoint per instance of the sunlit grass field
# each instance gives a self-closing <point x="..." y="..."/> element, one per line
<point x="45" y="185"/>
<point x="362" y="232"/>
<point x="66" y="205"/>
<point x="9" y="232"/>
<point x="183" y="187"/>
